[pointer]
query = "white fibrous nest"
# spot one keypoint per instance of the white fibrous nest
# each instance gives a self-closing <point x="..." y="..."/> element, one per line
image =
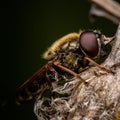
<point x="73" y="100"/>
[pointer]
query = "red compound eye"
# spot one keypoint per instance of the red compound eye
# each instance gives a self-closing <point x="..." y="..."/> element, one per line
<point x="89" y="44"/>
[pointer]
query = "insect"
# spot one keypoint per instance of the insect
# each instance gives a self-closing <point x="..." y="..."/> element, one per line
<point x="70" y="54"/>
<point x="118" y="114"/>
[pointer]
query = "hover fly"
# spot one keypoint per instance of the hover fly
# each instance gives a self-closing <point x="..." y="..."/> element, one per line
<point x="70" y="54"/>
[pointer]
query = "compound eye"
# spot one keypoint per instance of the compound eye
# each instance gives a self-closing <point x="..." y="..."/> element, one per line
<point x="89" y="44"/>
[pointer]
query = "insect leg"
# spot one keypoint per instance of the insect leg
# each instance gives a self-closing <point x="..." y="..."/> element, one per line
<point x="96" y="64"/>
<point x="69" y="71"/>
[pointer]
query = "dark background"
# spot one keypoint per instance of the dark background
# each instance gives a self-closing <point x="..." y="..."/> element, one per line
<point x="27" y="29"/>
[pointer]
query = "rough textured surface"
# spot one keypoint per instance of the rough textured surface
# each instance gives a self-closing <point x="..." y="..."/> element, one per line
<point x="99" y="100"/>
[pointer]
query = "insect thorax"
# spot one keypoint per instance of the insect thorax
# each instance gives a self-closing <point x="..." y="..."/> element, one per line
<point x="67" y="42"/>
<point x="72" y="59"/>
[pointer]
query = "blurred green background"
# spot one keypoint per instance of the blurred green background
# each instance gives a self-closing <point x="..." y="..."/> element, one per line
<point x="27" y="30"/>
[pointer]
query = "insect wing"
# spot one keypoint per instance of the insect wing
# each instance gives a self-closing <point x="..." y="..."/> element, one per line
<point x="33" y="86"/>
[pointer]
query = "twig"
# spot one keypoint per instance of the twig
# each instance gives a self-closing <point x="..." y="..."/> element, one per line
<point x="106" y="8"/>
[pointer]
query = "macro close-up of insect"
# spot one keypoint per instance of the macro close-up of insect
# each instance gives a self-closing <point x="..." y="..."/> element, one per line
<point x="71" y="55"/>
